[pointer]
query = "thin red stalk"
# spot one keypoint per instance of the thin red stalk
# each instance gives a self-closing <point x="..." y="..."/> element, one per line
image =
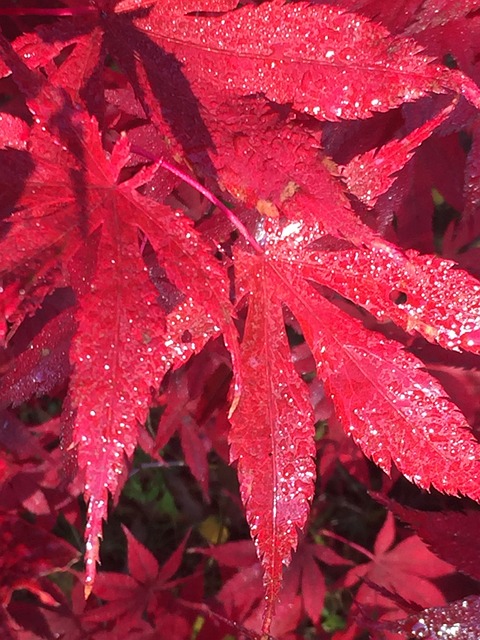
<point x="201" y="189"/>
<point x="37" y="11"/>
<point x="206" y="611"/>
<point x="353" y="545"/>
<point x="157" y="465"/>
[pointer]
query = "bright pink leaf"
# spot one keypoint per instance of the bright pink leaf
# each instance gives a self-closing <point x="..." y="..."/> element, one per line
<point x="393" y="410"/>
<point x="127" y="333"/>
<point x="371" y="174"/>
<point x="282" y="63"/>
<point x="419" y="292"/>
<point x="272" y="432"/>
<point x="460" y="620"/>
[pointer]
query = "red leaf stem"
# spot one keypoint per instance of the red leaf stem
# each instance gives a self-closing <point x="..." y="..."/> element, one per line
<point x="238" y="224"/>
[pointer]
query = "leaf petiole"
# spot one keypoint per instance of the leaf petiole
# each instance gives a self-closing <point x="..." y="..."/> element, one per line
<point x="352" y="545"/>
<point x="238" y="224"/>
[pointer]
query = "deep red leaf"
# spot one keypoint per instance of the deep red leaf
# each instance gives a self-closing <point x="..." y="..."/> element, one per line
<point x="44" y="364"/>
<point x="130" y="596"/>
<point x="448" y="534"/>
<point x="142" y="563"/>
<point x="28" y="552"/>
<point x="406" y="569"/>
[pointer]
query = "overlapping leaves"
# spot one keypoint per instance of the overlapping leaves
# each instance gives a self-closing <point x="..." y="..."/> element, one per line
<point x="236" y="96"/>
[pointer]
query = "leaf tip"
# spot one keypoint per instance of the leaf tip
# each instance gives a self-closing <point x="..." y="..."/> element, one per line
<point x="87" y="590"/>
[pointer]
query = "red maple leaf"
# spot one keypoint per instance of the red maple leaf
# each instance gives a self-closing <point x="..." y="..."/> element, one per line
<point x="239" y="100"/>
<point x="395" y="566"/>
<point x="143" y="592"/>
<point x="99" y="249"/>
<point x="446" y="533"/>
<point x="28" y="554"/>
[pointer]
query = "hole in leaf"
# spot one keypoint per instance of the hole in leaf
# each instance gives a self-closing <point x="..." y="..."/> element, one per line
<point x="398" y="297"/>
<point x="450" y="61"/>
<point x="186" y="336"/>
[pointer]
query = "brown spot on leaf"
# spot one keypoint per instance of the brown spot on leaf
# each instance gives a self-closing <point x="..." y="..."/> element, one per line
<point x="267" y="208"/>
<point x="289" y="191"/>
